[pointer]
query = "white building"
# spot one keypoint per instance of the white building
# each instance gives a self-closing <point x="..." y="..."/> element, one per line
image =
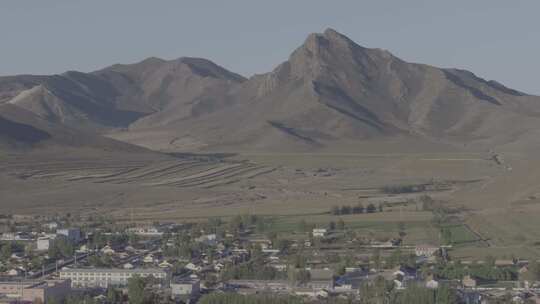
<point x="145" y="231"/>
<point x="432" y="284"/>
<point x="209" y="239"/>
<point x="51" y="226"/>
<point x="149" y="259"/>
<point x="426" y="250"/>
<point x="103" y="277"/>
<point x="185" y="288"/>
<point x="319" y="232"/>
<point x="108" y="250"/>
<point x="193" y="267"/>
<point x="44" y="243"/>
<point x="128" y="266"/>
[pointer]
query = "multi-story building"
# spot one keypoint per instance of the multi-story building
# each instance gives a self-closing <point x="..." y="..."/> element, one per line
<point x="72" y="234"/>
<point x="43" y="243"/>
<point x="103" y="277"/>
<point x="426" y="250"/>
<point x="35" y="291"/>
<point x="145" y="231"/>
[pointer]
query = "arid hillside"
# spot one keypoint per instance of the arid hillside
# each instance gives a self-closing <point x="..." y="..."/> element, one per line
<point x="330" y="95"/>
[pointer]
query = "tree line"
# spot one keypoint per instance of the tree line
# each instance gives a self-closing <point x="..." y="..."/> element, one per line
<point x="356" y="209"/>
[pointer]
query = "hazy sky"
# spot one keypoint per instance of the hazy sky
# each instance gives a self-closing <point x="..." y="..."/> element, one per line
<point x="496" y="39"/>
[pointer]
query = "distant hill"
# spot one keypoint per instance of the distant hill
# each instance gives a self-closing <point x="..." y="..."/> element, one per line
<point x="21" y="130"/>
<point x="331" y="94"/>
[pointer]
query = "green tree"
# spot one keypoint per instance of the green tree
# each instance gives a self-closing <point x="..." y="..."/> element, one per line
<point x="359" y="208"/>
<point x="533" y="272"/>
<point x="136" y="292"/>
<point x="446" y="295"/>
<point x="340" y="224"/>
<point x="302" y="226"/>
<point x="332" y="225"/>
<point x="113" y="295"/>
<point x="345" y="210"/>
<point x="6" y="252"/>
<point x="371" y="208"/>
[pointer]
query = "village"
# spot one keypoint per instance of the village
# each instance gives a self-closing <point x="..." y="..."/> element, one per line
<point x="66" y="258"/>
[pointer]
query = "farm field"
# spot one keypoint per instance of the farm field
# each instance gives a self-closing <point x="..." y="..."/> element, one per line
<point x="291" y="188"/>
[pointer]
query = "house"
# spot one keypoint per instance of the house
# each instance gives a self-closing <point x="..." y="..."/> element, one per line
<point x="193" y="267"/>
<point x="51" y="226"/>
<point x="128" y="266"/>
<point x="407" y="273"/>
<point x="352" y="269"/>
<point x="108" y="250"/>
<point x="432" y="284"/>
<point x="399" y="284"/>
<point x="209" y="239"/>
<point x="279" y="267"/>
<point x="182" y="287"/>
<point x="308" y="292"/>
<point x="270" y="251"/>
<point x="219" y="266"/>
<point x="501" y="263"/>
<point x="426" y="250"/>
<point x="319" y="232"/>
<point x="261" y="285"/>
<point x="14" y="272"/>
<point x="165" y="264"/>
<point x="17" y="256"/>
<point x="321" y="279"/>
<point x="83" y="249"/>
<point x="15" y="236"/>
<point x="469" y="282"/>
<point x="149" y="259"/>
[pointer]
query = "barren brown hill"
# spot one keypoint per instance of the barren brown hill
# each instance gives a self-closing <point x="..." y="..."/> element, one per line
<point x="119" y="95"/>
<point x="332" y="93"/>
<point x="23" y="131"/>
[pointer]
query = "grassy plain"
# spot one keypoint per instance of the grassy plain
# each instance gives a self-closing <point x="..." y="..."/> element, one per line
<point x="498" y="205"/>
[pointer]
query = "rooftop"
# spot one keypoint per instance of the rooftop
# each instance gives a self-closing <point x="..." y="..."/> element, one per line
<point x="116" y="270"/>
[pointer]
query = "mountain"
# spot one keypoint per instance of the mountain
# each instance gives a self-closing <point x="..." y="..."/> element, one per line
<point x="331" y="94"/>
<point x="23" y="131"/>
<point x="186" y="87"/>
<point x="121" y="94"/>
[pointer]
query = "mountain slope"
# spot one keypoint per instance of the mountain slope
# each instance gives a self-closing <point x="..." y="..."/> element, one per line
<point x="121" y="94"/>
<point x="173" y="89"/>
<point x="23" y="131"/>
<point x="332" y="92"/>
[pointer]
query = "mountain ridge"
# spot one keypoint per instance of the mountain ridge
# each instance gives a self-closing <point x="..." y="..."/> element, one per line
<point x="328" y="92"/>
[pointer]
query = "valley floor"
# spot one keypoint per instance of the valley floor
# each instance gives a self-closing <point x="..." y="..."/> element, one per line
<point x="496" y="202"/>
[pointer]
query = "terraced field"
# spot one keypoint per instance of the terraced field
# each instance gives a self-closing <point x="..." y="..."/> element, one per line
<point x="182" y="173"/>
